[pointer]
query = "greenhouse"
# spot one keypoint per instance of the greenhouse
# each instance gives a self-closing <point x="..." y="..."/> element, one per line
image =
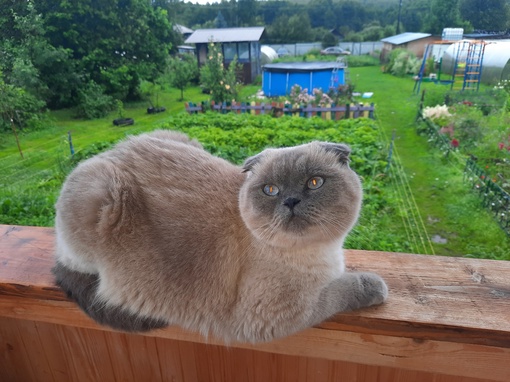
<point x="495" y="65"/>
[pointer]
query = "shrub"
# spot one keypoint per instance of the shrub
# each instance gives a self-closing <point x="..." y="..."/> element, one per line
<point x="402" y="62"/>
<point x="93" y="102"/>
<point x="217" y="80"/>
<point x="25" y="110"/>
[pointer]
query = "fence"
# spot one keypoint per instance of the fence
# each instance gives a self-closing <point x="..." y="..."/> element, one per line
<point x="277" y="109"/>
<point x="493" y="196"/>
<point x="356" y="48"/>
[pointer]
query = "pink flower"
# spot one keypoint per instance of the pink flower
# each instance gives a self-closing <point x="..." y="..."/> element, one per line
<point x="455" y="143"/>
<point x="501" y="145"/>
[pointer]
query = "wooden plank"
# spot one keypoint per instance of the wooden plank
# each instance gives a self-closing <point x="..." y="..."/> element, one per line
<point x="441" y="311"/>
<point x="442" y="298"/>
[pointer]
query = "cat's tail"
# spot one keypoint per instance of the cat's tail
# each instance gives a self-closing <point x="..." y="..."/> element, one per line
<point x="82" y="288"/>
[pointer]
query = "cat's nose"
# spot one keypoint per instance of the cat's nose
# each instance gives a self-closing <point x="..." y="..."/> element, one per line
<point x="291" y="202"/>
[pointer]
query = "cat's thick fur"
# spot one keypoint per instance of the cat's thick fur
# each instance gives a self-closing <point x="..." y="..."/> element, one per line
<point x="159" y="232"/>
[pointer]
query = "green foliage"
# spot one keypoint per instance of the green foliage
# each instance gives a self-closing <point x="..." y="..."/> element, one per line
<point x="490" y="15"/>
<point x="116" y="43"/>
<point x="181" y="71"/>
<point x="20" y="107"/>
<point x="218" y="81"/>
<point x="402" y="62"/>
<point x="93" y="102"/>
<point x="329" y="39"/>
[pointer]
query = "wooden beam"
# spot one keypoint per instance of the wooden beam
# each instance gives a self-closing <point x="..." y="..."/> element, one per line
<point x="444" y="315"/>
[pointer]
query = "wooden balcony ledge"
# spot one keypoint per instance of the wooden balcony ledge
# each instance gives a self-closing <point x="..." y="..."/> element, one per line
<point x="447" y="319"/>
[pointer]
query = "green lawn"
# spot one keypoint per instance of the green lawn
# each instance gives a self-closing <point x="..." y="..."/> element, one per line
<point x="448" y="209"/>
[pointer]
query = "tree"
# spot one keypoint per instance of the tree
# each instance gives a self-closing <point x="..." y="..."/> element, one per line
<point x="293" y="29"/>
<point x="444" y="14"/>
<point x="115" y="43"/>
<point x="181" y="72"/>
<point x="488" y="15"/>
<point x="219" y="81"/>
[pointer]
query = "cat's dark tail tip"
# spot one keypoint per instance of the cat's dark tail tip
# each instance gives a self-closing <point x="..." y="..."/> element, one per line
<point x="82" y="288"/>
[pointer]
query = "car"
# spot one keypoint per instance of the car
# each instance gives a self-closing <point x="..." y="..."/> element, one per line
<point x="335" y="51"/>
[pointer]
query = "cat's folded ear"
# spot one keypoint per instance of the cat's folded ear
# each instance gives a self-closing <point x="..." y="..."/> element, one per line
<point x="341" y="150"/>
<point x="251" y="161"/>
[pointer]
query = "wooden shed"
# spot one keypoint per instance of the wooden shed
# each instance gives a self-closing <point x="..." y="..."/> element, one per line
<point x="241" y="42"/>
<point x="415" y="42"/>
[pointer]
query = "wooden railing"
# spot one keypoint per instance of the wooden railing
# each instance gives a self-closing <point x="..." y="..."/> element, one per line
<point x="447" y="319"/>
<point x="277" y="109"/>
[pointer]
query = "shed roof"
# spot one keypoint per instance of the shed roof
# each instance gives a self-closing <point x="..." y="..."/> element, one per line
<point x="404" y="38"/>
<point x="225" y="35"/>
<point x="182" y="29"/>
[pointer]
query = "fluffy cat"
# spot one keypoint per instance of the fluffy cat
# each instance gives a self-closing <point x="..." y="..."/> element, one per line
<point x="159" y="232"/>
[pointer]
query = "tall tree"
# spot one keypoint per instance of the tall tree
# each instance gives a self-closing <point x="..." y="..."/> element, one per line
<point x="116" y="43"/>
<point x="444" y="14"/>
<point x="489" y="15"/>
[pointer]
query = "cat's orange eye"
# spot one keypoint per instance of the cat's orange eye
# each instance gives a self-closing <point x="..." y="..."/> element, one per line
<point x="315" y="182"/>
<point x="271" y="190"/>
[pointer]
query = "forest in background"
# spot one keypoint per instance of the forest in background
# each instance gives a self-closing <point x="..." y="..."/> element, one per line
<point x="90" y="55"/>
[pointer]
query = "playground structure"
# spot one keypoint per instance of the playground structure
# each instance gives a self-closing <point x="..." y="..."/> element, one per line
<point x="467" y="66"/>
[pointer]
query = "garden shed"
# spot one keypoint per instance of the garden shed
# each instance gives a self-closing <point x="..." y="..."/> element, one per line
<point x="495" y="64"/>
<point x="415" y="42"/>
<point x="241" y="42"/>
<point x="278" y="79"/>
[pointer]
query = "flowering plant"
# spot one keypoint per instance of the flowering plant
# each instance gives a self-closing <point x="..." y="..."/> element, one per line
<point x="219" y="81"/>
<point x="438" y="114"/>
<point x="299" y="96"/>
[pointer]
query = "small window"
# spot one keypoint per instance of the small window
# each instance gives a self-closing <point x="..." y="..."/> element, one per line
<point x="229" y="51"/>
<point x="244" y="52"/>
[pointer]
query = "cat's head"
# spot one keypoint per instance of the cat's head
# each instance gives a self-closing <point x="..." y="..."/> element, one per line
<point x="300" y="195"/>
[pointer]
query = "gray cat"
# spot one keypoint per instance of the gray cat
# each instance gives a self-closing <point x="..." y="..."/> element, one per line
<point x="159" y="232"/>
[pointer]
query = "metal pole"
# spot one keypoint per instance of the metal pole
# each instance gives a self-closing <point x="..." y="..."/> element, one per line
<point x="398" y="19"/>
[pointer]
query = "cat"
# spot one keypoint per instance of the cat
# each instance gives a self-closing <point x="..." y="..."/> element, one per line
<point x="157" y="232"/>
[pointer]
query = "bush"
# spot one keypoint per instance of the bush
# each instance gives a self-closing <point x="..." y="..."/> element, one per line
<point x="402" y="62"/>
<point x="217" y="80"/>
<point x="93" y="102"/>
<point x="25" y="110"/>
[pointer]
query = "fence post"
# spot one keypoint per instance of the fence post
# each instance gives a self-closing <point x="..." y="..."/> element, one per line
<point x="347" y="111"/>
<point x="70" y="143"/>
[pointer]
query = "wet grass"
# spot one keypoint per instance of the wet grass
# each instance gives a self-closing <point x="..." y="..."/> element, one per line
<point x="451" y="213"/>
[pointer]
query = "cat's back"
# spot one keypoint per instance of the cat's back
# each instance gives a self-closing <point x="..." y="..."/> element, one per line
<point x="149" y="186"/>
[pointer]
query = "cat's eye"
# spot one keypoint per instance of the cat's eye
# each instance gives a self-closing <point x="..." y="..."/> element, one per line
<point x="271" y="190"/>
<point x="315" y="182"/>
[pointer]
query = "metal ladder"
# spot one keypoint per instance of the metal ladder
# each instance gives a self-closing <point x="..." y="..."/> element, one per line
<point x="474" y="61"/>
<point x="341" y="63"/>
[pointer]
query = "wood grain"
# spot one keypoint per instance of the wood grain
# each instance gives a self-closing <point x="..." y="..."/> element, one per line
<point x="451" y="313"/>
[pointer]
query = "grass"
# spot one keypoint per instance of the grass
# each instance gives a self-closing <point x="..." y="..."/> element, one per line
<point x="447" y="207"/>
<point x="435" y="202"/>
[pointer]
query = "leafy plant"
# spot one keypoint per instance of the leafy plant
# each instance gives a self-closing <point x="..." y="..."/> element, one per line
<point x="220" y="82"/>
<point x="94" y="103"/>
<point x="402" y="62"/>
<point x="181" y="71"/>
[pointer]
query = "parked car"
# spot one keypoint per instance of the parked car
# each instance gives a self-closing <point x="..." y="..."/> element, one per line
<point x="335" y="51"/>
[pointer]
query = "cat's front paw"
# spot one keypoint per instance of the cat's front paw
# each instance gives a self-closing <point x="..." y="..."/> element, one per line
<point x="375" y="290"/>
